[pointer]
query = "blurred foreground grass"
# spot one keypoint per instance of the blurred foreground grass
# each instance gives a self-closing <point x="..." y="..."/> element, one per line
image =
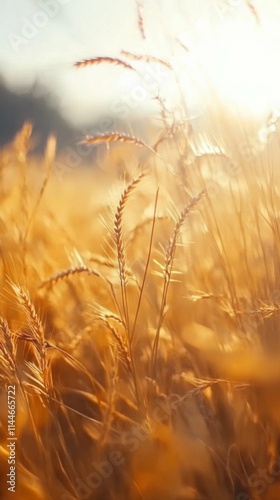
<point x="140" y="320"/>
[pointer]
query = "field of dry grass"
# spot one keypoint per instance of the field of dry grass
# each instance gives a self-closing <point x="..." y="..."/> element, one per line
<point x="140" y="319"/>
<point x="139" y="309"/>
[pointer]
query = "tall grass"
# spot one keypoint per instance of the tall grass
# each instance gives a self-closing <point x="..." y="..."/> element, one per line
<point x="140" y="319"/>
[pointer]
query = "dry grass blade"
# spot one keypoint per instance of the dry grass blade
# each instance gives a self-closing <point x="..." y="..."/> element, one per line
<point x="184" y="47"/>
<point x="253" y="11"/>
<point x="168" y="265"/>
<point x="112" y="396"/>
<point x="62" y="275"/>
<point x="120" y="137"/>
<point x="169" y="133"/>
<point x="99" y="259"/>
<point x="198" y="295"/>
<point x="106" y="314"/>
<point x="7" y="349"/>
<point x="119" y="241"/>
<point x="49" y="158"/>
<point x="36" y="337"/>
<point x="140" y="19"/>
<point x="145" y="58"/>
<point x="22" y="141"/>
<point x="171" y="247"/>
<point x="121" y="257"/>
<point x="114" y="137"/>
<point x="121" y="343"/>
<point x="128" y="375"/>
<point x="37" y="381"/>
<point x="146" y="268"/>
<point x="101" y="60"/>
<point x="30" y="312"/>
<point x="140" y="227"/>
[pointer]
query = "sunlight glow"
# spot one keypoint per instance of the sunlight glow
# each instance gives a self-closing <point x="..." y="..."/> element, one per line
<point x="239" y="62"/>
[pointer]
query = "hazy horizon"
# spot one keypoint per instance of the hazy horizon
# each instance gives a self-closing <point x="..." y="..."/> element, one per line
<point x="215" y="43"/>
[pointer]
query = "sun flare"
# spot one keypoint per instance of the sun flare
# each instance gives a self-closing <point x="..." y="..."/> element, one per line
<point x="237" y="61"/>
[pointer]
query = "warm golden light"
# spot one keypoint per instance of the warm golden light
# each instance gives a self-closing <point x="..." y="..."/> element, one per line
<point x="233" y="61"/>
<point x="239" y="61"/>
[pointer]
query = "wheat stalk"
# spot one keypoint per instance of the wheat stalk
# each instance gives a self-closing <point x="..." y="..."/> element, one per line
<point x="140" y="19"/>
<point x="101" y="60"/>
<point x="121" y="343"/>
<point x="145" y="58"/>
<point x="37" y="338"/>
<point x="121" y="257"/>
<point x="253" y="11"/>
<point x="168" y="265"/>
<point x="109" y="415"/>
<point x="114" y="137"/>
<point x="119" y="240"/>
<point x="7" y="348"/>
<point x="146" y="268"/>
<point x="49" y="158"/>
<point x="62" y="275"/>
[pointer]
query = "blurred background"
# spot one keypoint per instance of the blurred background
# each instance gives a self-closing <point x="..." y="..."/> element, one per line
<point x="228" y="48"/>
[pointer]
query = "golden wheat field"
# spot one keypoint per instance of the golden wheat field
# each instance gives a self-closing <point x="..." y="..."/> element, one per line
<point x="140" y="322"/>
<point x="140" y="312"/>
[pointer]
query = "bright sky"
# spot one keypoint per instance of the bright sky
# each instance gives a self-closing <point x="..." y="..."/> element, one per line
<point x="227" y="46"/>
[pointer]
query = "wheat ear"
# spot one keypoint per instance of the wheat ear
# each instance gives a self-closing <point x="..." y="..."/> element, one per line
<point x="62" y="275"/>
<point x="168" y="265"/>
<point x="119" y="241"/>
<point x="101" y="60"/>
